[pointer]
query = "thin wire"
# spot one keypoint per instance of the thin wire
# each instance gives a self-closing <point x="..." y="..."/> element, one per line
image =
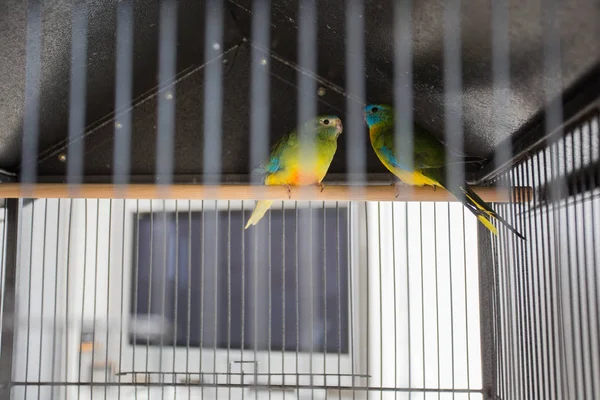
<point x="297" y="279"/>
<point x="68" y="270"/>
<point x="437" y="311"/>
<point x="137" y="283"/>
<point x="176" y="294"/>
<point x="464" y="237"/>
<point x="29" y="297"/>
<point x="255" y="303"/>
<point x="150" y="279"/>
<point x="423" y="289"/>
<point x="380" y="300"/>
<point x="311" y="281"/>
<point x="122" y="302"/>
<point x="283" y="298"/>
<point x="229" y="285"/>
<point x="55" y="289"/>
<point x="85" y="241"/>
<point x="395" y="299"/>
<point x="451" y="292"/>
<point x="243" y="301"/>
<point x="216" y="293"/>
<point x="203" y="252"/>
<point x="350" y="269"/>
<point x="338" y="294"/>
<point x="189" y="300"/>
<point x="43" y="281"/>
<point x="95" y="282"/>
<point x="108" y="313"/>
<point x="269" y="295"/>
<point x="324" y="243"/>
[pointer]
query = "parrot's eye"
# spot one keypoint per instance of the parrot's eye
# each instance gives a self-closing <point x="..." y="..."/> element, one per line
<point x="374" y="110"/>
<point x="326" y="122"/>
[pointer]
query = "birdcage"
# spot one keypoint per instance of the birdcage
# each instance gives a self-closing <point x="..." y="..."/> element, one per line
<point x="130" y="132"/>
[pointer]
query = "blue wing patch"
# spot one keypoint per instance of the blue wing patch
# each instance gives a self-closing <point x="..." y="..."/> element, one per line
<point x="273" y="166"/>
<point x="390" y="157"/>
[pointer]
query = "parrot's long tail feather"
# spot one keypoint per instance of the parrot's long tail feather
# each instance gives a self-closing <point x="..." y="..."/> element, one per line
<point x="262" y="206"/>
<point x="482" y="210"/>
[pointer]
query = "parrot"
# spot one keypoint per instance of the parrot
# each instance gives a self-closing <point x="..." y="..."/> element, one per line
<point x="285" y="167"/>
<point x="428" y="163"/>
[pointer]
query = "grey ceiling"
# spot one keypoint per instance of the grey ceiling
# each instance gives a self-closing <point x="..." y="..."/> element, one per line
<point x="578" y="29"/>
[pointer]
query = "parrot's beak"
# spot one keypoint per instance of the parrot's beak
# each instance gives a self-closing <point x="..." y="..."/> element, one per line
<point x="339" y="128"/>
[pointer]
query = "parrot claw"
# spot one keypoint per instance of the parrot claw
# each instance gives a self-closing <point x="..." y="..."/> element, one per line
<point x="321" y="186"/>
<point x="434" y="187"/>
<point x="289" y="191"/>
<point x="396" y="191"/>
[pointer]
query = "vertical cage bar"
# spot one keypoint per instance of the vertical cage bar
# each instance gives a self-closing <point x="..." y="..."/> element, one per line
<point x="123" y="92"/>
<point x="260" y="104"/>
<point x="167" y="59"/>
<point x="33" y="68"/>
<point x="213" y="93"/>
<point x="355" y="79"/>
<point x="403" y="83"/>
<point x="77" y="93"/>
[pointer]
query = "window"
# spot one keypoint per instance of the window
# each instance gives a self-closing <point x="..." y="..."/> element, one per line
<point x="199" y="280"/>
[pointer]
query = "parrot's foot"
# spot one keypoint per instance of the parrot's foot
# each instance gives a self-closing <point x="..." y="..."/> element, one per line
<point x="396" y="190"/>
<point x="288" y="188"/>
<point x="321" y="186"/>
<point x="434" y="187"/>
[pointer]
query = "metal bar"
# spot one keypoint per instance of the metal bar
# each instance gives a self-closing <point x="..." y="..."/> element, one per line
<point x="451" y="295"/>
<point x="12" y="236"/>
<point x="29" y="295"/>
<point x="123" y="92"/>
<point x="249" y="192"/>
<point x="43" y="283"/>
<point x="255" y="387"/>
<point x="167" y="59"/>
<point x="487" y="266"/>
<point x="33" y="67"/>
<point x="108" y="313"/>
<point x="77" y="94"/>
<point x="356" y="161"/>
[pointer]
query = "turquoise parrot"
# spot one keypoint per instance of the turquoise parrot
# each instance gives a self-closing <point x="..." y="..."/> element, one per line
<point x="287" y="168"/>
<point x="428" y="164"/>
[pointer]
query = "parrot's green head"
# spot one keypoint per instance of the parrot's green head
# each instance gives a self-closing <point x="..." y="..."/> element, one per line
<point x="326" y="126"/>
<point x="378" y="115"/>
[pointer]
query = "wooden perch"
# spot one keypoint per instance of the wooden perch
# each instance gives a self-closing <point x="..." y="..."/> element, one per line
<point x="253" y="192"/>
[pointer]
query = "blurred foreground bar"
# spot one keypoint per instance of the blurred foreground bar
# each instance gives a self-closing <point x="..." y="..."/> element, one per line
<point x="254" y="192"/>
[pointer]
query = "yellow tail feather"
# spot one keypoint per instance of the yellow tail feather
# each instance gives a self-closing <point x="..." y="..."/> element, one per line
<point x="259" y="211"/>
<point x="488" y="224"/>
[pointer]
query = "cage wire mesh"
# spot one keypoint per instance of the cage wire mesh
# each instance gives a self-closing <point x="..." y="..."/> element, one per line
<point x="162" y="298"/>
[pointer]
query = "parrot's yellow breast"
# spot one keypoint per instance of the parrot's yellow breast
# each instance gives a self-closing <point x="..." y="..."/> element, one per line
<point x="302" y="172"/>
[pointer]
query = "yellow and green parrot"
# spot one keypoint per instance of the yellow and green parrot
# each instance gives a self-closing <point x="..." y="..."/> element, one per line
<point x="428" y="164"/>
<point x="285" y="167"/>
